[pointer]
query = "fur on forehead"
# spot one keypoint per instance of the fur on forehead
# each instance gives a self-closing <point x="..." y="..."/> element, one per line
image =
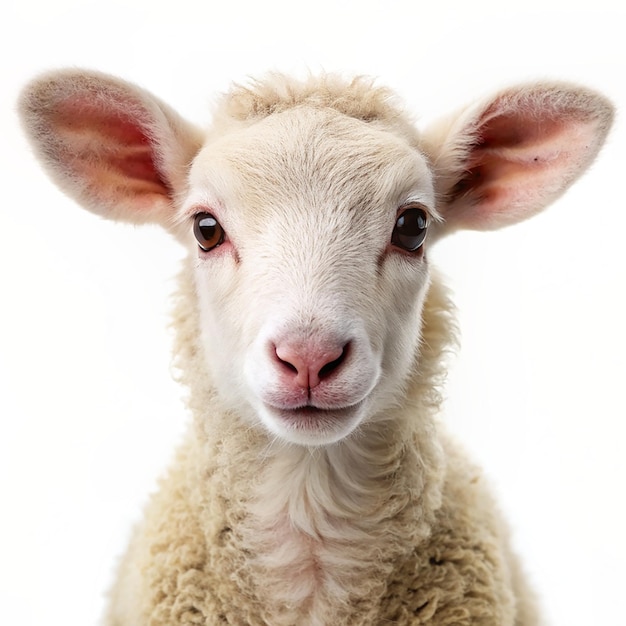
<point x="358" y="97"/>
<point x="313" y="157"/>
<point x="293" y="121"/>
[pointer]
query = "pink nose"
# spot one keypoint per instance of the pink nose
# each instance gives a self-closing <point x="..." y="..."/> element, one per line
<point x="306" y="363"/>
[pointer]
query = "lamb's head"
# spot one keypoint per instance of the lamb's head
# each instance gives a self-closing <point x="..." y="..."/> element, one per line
<point x="309" y="210"/>
<point x="309" y="227"/>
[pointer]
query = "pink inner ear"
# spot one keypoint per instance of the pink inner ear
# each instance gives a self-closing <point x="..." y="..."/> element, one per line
<point x="108" y="149"/>
<point x="521" y="161"/>
<point x="512" y="157"/>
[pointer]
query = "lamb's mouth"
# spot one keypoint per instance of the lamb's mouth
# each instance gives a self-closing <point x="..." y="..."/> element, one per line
<point x="312" y="419"/>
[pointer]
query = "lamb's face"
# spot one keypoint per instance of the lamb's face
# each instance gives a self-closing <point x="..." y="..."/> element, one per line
<point x="310" y="294"/>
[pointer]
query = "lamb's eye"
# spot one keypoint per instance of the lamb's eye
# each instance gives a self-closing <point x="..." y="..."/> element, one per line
<point x="409" y="232"/>
<point x="208" y="231"/>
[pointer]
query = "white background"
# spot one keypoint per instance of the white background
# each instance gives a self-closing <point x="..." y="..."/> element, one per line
<point x="88" y="413"/>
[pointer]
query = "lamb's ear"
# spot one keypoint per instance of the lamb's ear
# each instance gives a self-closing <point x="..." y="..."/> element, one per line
<point x="110" y="145"/>
<point x="507" y="158"/>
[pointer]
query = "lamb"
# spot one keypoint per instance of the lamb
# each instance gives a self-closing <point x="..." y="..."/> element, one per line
<point x="317" y="485"/>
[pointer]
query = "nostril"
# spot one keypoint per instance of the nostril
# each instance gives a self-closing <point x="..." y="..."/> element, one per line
<point x="285" y="363"/>
<point x="288" y="358"/>
<point x="330" y="367"/>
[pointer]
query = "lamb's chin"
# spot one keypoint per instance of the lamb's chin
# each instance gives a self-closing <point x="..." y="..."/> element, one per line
<point x="310" y="425"/>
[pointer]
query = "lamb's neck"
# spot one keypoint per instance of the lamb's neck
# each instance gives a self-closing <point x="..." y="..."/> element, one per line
<point x="314" y="532"/>
<point x="357" y="483"/>
<point x="316" y="523"/>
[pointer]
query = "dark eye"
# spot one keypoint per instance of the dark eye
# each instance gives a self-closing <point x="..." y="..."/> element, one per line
<point x="410" y="229"/>
<point x="208" y="231"/>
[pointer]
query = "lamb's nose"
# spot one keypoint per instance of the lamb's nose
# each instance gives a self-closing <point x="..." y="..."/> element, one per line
<point x="307" y="363"/>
